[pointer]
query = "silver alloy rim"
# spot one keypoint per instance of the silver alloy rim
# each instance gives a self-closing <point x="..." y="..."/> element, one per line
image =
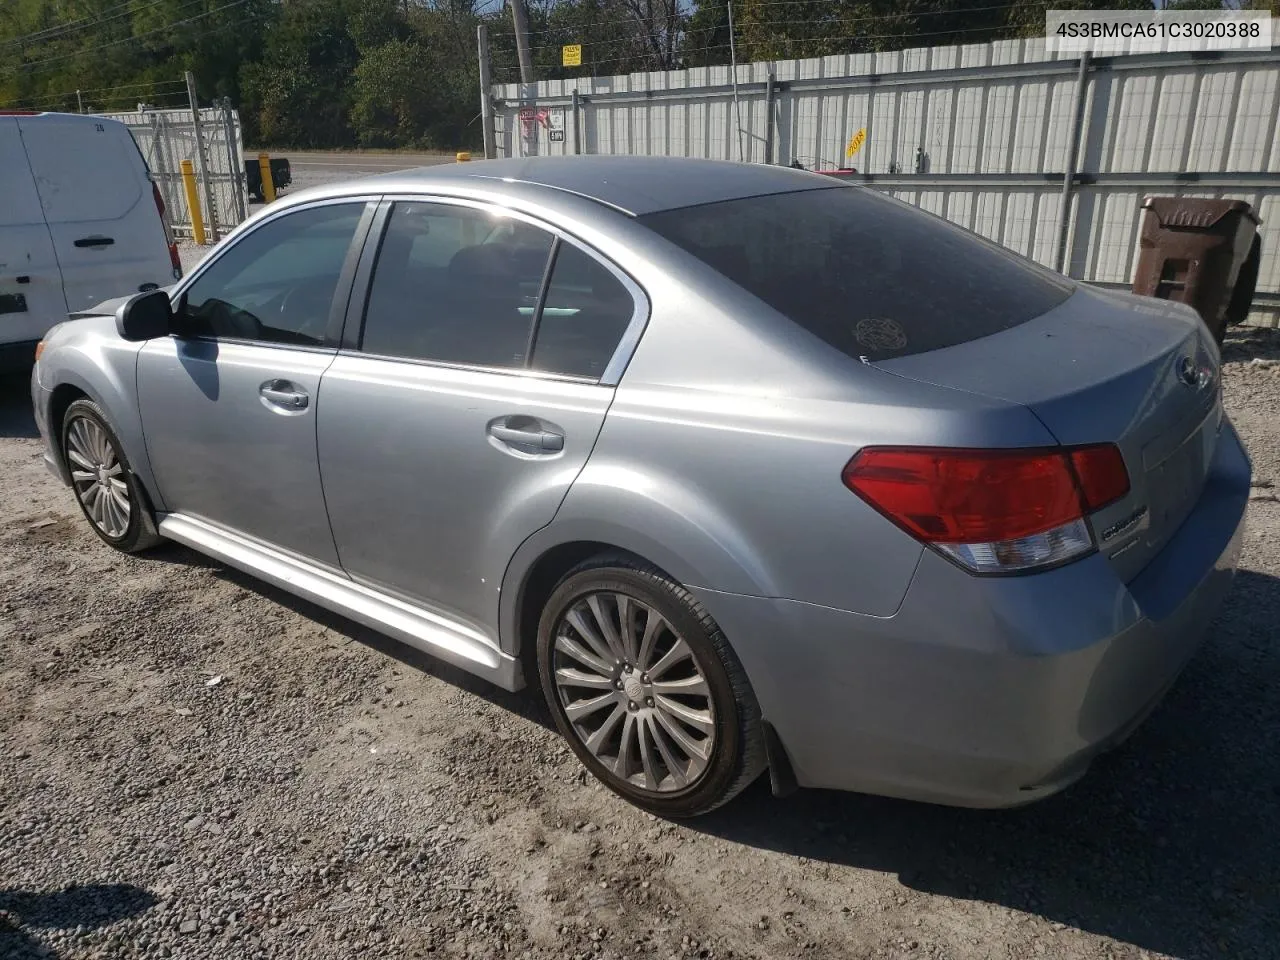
<point x="98" y="477"/>
<point x="633" y="692"/>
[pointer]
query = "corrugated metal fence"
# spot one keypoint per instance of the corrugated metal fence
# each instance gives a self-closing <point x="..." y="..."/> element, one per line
<point x="167" y="137"/>
<point x="981" y="134"/>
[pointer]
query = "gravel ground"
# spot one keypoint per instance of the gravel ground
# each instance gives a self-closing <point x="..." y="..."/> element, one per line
<point x="194" y="765"/>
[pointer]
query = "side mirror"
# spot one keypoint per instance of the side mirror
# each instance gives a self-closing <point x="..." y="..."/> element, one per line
<point x="145" y="316"/>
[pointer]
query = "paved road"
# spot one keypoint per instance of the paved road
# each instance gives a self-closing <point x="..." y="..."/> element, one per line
<point x="314" y="169"/>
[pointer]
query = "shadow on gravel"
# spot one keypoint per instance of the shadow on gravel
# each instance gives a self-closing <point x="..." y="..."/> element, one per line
<point x="1169" y="843"/>
<point x="91" y="906"/>
<point x="527" y="703"/>
<point x="1244" y="344"/>
<point x="16" y="419"/>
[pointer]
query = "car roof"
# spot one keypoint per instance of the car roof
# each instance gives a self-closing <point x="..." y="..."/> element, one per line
<point x="633" y="185"/>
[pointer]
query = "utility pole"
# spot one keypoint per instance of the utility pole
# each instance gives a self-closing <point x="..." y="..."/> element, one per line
<point x="521" y="19"/>
<point x="486" y="93"/>
<point x="202" y="165"/>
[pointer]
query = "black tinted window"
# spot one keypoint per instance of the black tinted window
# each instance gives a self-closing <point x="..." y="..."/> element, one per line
<point x="277" y="283"/>
<point x="456" y="285"/>
<point x="871" y="276"/>
<point x="583" y="318"/>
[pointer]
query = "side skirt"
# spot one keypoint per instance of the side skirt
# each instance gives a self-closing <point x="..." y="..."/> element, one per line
<point x="428" y="631"/>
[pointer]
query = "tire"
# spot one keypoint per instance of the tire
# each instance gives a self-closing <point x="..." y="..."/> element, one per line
<point x="700" y="691"/>
<point x="90" y="446"/>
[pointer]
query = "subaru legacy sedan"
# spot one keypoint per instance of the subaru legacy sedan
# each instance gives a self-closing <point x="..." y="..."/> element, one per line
<point x="742" y="466"/>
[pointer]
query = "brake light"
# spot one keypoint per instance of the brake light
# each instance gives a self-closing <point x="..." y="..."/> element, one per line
<point x="992" y="511"/>
<point x="174" y="260"/>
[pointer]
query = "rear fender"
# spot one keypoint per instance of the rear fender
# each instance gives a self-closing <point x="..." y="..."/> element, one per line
<point x="665" y="524"/>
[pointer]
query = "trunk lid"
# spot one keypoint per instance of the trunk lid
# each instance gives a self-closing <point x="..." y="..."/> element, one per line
<point x="1106" y="367"/>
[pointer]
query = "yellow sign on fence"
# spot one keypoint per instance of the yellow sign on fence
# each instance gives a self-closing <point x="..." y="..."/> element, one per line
<point x="571" y="55"/>
<point x="856" y="142"/>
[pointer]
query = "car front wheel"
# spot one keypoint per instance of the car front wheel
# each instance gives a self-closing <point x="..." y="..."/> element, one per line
<point x="108" y="493"/>
<point x="646" y="689"/>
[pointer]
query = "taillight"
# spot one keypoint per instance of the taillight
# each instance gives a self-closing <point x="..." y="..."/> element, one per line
<point x="992" y="511"/>
<point x="174" y="259"/>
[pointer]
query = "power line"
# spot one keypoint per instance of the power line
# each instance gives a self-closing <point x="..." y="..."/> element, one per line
<point x="22" y="68"/>
<point x="150" y="86"/>
<point x="63" y="30"/>
<point x="877" y="18"/>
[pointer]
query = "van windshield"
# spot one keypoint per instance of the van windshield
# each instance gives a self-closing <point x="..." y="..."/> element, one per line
<point x="870" y="275"/>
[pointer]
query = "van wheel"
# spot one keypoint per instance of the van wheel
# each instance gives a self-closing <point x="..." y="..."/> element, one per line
<point x="109" y="494"/>
<point x="646" y="689"/>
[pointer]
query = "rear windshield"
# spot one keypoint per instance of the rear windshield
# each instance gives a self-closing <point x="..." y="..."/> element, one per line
<point x="873" y="277"/>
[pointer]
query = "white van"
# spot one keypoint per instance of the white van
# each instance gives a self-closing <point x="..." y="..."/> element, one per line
<point x="80" y="222"/>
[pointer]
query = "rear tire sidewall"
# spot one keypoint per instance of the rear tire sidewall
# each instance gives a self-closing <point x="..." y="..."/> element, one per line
<point x="137" y="533"/>
<point x="710" y="789"/>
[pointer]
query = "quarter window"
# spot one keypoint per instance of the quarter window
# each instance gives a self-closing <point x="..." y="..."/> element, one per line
<point x="276" y="284"/>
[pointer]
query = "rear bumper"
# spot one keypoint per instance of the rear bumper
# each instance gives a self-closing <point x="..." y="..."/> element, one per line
<point x="989" y="692"/>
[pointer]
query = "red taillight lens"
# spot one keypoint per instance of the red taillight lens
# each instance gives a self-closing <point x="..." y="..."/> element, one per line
<point x="991" y="510"/>
<point x="1102" y="474"/>
<point x="174" y="259"/>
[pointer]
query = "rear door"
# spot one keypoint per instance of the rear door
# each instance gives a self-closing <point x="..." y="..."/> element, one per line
<point x="97" y="200"/>
<point x="449" y="431"/>
<point x="31" y="298"/>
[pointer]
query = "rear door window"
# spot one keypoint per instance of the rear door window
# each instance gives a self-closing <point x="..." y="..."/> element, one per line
<point x="869" y="275"/>
<point x="455" y="284"/>
<point x="584" y="314"/>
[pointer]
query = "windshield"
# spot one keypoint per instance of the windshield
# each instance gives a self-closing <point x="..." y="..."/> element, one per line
<point x="873" y="277"/>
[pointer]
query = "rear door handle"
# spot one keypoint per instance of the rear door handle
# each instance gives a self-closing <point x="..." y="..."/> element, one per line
<point x="282" y="393"/>
<point x="541" y="439"/>
<point x="95" y="241"/>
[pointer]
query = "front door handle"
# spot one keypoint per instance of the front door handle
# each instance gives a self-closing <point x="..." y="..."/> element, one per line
<point x="97" y="241"/>
<point x="531" y="437"/>
<point x="282" y="393"/>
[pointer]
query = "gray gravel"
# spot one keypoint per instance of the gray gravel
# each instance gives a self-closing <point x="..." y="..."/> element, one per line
<point x="194" y="765"/>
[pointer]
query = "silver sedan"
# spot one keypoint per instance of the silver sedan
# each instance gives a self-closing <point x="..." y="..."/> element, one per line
<point x="742" y="466"/>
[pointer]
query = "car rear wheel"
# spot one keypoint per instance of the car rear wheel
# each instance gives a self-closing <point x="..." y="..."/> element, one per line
<point x="646" y="689"/>
<point x="109" y="495"/>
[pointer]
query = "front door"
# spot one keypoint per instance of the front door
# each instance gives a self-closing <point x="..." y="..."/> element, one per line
<point x="229" y="402"/>
<point x="453" y="432"/>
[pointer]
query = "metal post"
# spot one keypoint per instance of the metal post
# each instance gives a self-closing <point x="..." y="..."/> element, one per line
<point x="1069" y="174"/>
<point x="486" y="93"/>
<point x="733" y="65"/>
<point x="79" y="102"/>
<point x="159" y="173"/>
<point x="521" y="19"/>
<point x="193" y="202"/>
<point x="268" y="185"/>
<point x="577" y="104"/>
<point x="234" y="163"/>
<point x="202" y="167"/>
<point x="768" y="116"/>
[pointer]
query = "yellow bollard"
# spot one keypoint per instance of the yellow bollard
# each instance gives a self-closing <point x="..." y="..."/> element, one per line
<point x="463" y="156"/>
<point x="264" y="168"/>
<point x="193" y="201"/>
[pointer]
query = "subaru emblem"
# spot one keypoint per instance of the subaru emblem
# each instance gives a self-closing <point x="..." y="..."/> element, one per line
<point x="1188" y="373"/>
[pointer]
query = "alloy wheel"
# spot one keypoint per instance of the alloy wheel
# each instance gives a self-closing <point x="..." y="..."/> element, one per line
<point x="98" y="477"/>
<point x="633" y="692"/>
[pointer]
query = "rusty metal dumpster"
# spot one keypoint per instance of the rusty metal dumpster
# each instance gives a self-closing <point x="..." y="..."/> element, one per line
<point x="1192" y="250"/>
